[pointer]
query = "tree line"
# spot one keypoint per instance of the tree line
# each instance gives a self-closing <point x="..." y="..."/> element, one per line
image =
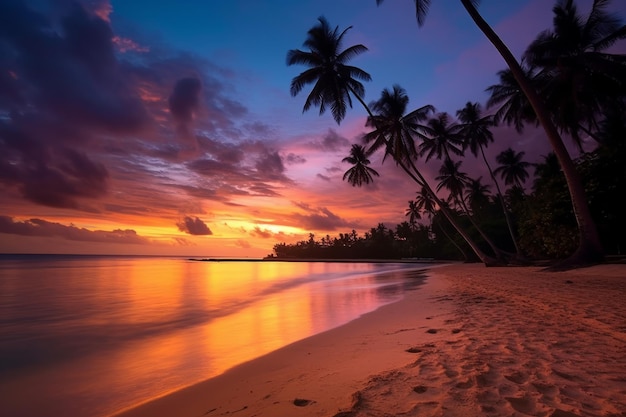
<point x="542" y="217"/>
<point x="566" y="82"/>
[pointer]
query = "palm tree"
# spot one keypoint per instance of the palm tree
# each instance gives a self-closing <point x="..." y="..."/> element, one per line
<point x="334" y="81"/>
<point x="425" y="203"/>
<point x="477" y="194"/>
<point x="514" y="107"/>
<point x="360" y="173"/>
<point x="393" y="129"/>
<point x="396" y="132"/>
<point x="585" y="81"/>
<point x="413" y="213"/>
<point x="456" y="181"/>
<point x="452" y="179"/>
<point x="512" y="169"/>
<point x="589" y="248"/>
<point x="443" y="138"/>
<point x="477" y="135"/>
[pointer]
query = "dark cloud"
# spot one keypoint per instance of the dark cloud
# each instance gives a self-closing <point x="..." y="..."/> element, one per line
<point x="270" y="166"/>
<point x="293" y="159"/>
<point x="267" y="234"/>
<point x="184" y="100"/>
<point x="60" y="84"/>
<point x="319" y="218"/>
<point x="331" y="142"/>
<point x="194" y="226"/>
<point x="243" y="244"/>
<point x="262" y="233"/>
<point x="43" y="228"/>
<point x="323" y="177"/>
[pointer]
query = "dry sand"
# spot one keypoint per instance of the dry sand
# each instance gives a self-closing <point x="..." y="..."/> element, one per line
<point x="473" y="341"/>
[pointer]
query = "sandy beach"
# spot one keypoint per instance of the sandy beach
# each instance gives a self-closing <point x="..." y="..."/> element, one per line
<point x="473" y="341"/>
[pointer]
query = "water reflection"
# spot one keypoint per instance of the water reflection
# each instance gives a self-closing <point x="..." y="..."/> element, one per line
<point x="93" y="335"/>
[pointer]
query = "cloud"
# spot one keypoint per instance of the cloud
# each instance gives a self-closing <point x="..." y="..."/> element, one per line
<point x="293" y="159"/>
<point x="243" y="243"/>
<point x="65" y="86"/>
<point x="319" y="218"/>
<point x="323" y="177"/>
<point x="194" y="226"/>
<point x="43" y="228"/>
<point x="184" y="99"/>
<point x="270" y="165"/>
<point x="331" y="142"/>
<point x="267" y="234"/>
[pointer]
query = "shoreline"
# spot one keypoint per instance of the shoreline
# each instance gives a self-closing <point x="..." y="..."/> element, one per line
<point x="471" y="341"/>
<point x="340" y="357"/>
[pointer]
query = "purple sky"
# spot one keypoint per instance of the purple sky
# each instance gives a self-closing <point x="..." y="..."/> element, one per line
<point x="168" y="128"/>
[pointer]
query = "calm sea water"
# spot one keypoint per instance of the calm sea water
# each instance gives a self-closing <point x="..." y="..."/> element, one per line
<point x="90" y="336"/>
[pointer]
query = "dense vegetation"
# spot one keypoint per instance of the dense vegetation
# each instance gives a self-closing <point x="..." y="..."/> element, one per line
<point x="543" y="219"/>
<point x="568" y="83"/>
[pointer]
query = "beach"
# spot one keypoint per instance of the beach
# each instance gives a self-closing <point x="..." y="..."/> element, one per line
<point x="472" y="341"/>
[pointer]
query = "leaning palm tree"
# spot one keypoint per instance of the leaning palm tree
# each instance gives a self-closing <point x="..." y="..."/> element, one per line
<point x="425" y="203"/>
<point x="333" y="80"/>
<point x="444" y="137"/>
<point x="413" y="214"/>
<point x="477" y="194"/>
<point x="513" y="169"/>
<point x="589" y="248"/>
<point x="513" y="106"/>
<point x="393" y="129"/>
<point x="397" y="132"/>
<point x="477" y="135"/>
<point x="455" y="181"/>
<point x="585" y="80"/>
<point x="334" y="83"/>
<point x="360" y="173"/>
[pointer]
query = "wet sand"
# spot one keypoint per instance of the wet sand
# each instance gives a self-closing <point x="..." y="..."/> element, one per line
<point x="472" y="341"/>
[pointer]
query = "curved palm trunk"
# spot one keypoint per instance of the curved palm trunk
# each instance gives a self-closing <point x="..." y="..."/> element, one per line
<point x="589" y="247"/>
<point x="420" y="180"/>
<point x="507" y="216"/>
<point x="456" y="245"/>
<point x="499" y="253"/>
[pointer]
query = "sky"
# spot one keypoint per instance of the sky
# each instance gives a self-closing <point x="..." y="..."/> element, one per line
<point x="167" y="128"/>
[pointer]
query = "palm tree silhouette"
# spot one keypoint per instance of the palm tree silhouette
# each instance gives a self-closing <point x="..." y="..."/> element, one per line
<point x="443" y="138"/>
<point x="393" y="129"/>
<point x="477" y="135"/>
<point x="360" y="173"/>
<point x="334" y="83"/>
<point x="513" y="170"/>
<point x="413" y="213"/>
<point x="514" y="107"/>
<point x="589" y="248"/>
<point x="585" y="81"/>
<point x="425" y="203"/>
<point x="456" y="182"/>
<point x="477" y="195"/>
<point x="397" y="132"/>
<point x="333" y="79"/>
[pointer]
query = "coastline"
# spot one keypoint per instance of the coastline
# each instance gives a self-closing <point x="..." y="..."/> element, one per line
<point x="470" y="341"/>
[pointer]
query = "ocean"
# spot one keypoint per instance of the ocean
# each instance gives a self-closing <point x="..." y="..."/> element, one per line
<point x="93" y="335"/>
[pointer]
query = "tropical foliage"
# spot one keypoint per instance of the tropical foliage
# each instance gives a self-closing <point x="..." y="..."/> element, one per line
<point x="567" y="83"/>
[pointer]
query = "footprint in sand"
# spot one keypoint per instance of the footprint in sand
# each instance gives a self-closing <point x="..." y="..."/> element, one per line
<point x="420" y="389"/>
<point x="301" y="402"/>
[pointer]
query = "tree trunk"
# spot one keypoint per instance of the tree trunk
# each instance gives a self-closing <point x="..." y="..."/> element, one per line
<point x="487" y="260"/>
<point x="589" y="246"/>
<point x="420" y="180"/>
<point x="507" y="216"/>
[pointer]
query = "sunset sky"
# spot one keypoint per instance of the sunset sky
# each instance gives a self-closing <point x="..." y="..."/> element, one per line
<point x="142" y="127"/>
